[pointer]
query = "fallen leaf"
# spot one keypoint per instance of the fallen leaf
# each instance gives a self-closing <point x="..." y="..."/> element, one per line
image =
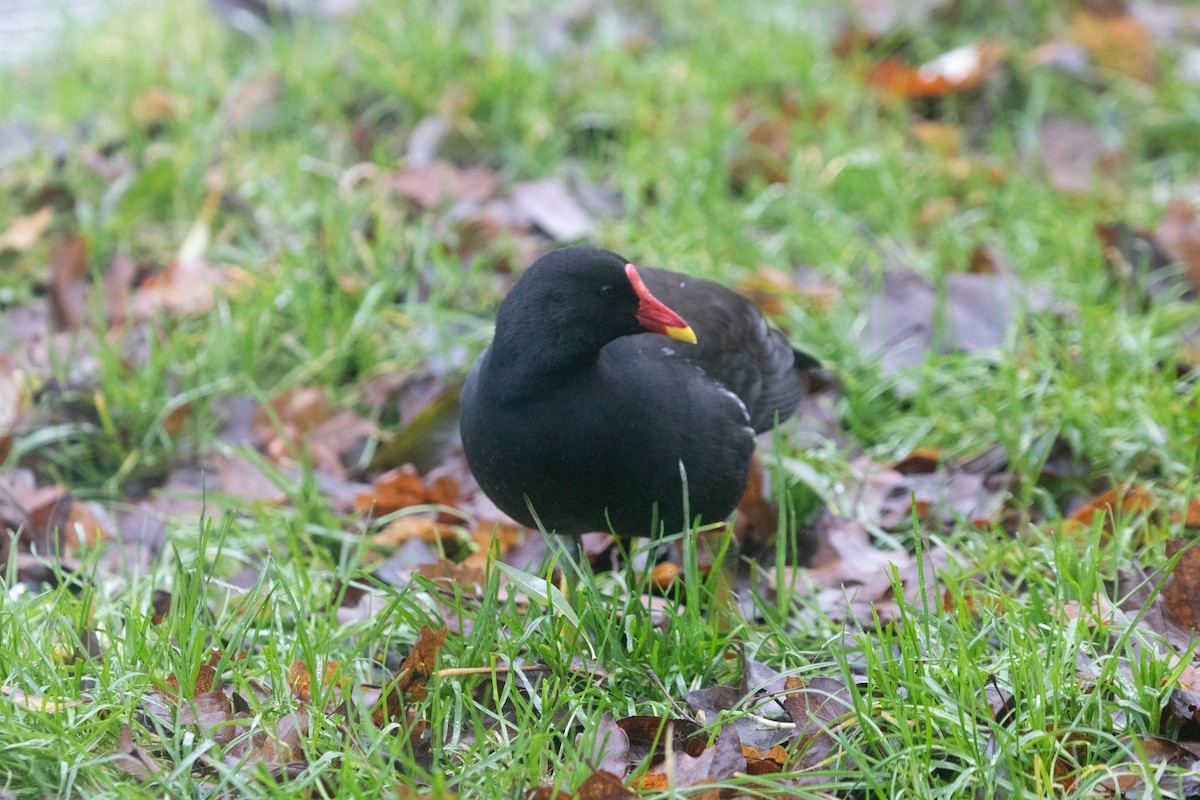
<point x="68" y="294"/>
<point x="718" y="762"/>
<point x="548" y="205"/>
<point x="403" y="488"/>
<point x="955" y="71"/>
<point x="907" y="318"/>
<point x="1103" y="507"/>
<point x="1118" y="43"/>
<point x="1179" y="236"/>
<point x="1072" y="153"/>
<point x="24" y="232"/>
<point x="1138" y="262"/>
<point x="817" y="707"/>
<point x="34" y="703"/>
<point x="134" y="760"/>
<point x="408" y="685"/>
<point x="181" y="287"/>
<point x="439" y="183"/>
<point x="151" y="107"/>
<point x="603" y="786"/>
<point x="1181" y="592"/>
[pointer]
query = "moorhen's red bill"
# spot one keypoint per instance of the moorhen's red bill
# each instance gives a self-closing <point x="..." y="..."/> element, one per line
<point x="603" y="378"/>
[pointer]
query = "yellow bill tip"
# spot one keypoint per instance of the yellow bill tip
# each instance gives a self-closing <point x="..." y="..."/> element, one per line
<point x="684" y="334"/>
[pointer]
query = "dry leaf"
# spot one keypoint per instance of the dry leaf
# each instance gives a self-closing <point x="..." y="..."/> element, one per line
<point x="1117" y="43"/>
<point x="1124" y="499"/>
<point x="24" y="232"/>
<point x="548" y="205"/>
<point x="151" y="107"/>
<point x="439" y="183"/>
<point x="408" y="684"/>
<point x="68" y="295"/>
<point x="34" y="703"/>
<point x="402" y="488"/>
<point x="1179" y="236"/>
<point x="1182" y="590"/>
<point x="958" y="70"/>
<point x="1072" y="151"/>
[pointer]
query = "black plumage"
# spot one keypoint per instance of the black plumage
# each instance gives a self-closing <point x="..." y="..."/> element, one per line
<point x="595" y="390"/>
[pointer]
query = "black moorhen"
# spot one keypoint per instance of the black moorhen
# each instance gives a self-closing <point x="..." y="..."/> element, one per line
<point x="595" y="389"/>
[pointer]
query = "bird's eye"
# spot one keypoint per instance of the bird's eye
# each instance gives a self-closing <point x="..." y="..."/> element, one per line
<point x="607" y="291"/>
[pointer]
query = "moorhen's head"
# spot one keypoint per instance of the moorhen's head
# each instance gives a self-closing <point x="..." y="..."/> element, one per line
<point x="581" y="298"/>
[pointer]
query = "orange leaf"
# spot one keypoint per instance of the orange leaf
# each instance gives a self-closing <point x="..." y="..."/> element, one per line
<point x="1129" y="499"/>
<point x="957" y="70"/>
<point x="1118" y="43"/>
<point x="408" y="684"/>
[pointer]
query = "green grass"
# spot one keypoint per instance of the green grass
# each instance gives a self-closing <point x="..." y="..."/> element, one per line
<point x="341" y="281"/>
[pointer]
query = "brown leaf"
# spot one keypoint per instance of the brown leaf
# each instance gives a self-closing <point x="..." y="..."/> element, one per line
<point x="184" y="287"/>
<point x="602" y="785"/>
<point x="715" y="763"/>
<point x="402" y="530"/>
<point x="650" y="734"/>
<point x="1119" y="43"/>
<point x="300" y="681"/>
<point x="1179" y="236"/>
<point x="548" y="205"/>
<point x="408" y="684"/>
<point x="151" y="107"/>
<point x="942" y="137"/>
<point x="68" y="294"/>
<point x="1174" y="766"/>
<point x="817" y="707"/>
<point x="24" y="232"/>
<point x="456" y="578"/>
<point x="1182" y="590"/>
<point x="133" y="759"/>
<point x="439" y="183"/>
<point x="160" y="606"/>
<point x="493" y="540"/>
<point x="118" y="281"/>
<point x="1138" y="261"/>
<point x="297" y="411"/>
<point x="402" y="488"/>
<point x="1120" y="499"/>
<point x="955" y="71"/>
